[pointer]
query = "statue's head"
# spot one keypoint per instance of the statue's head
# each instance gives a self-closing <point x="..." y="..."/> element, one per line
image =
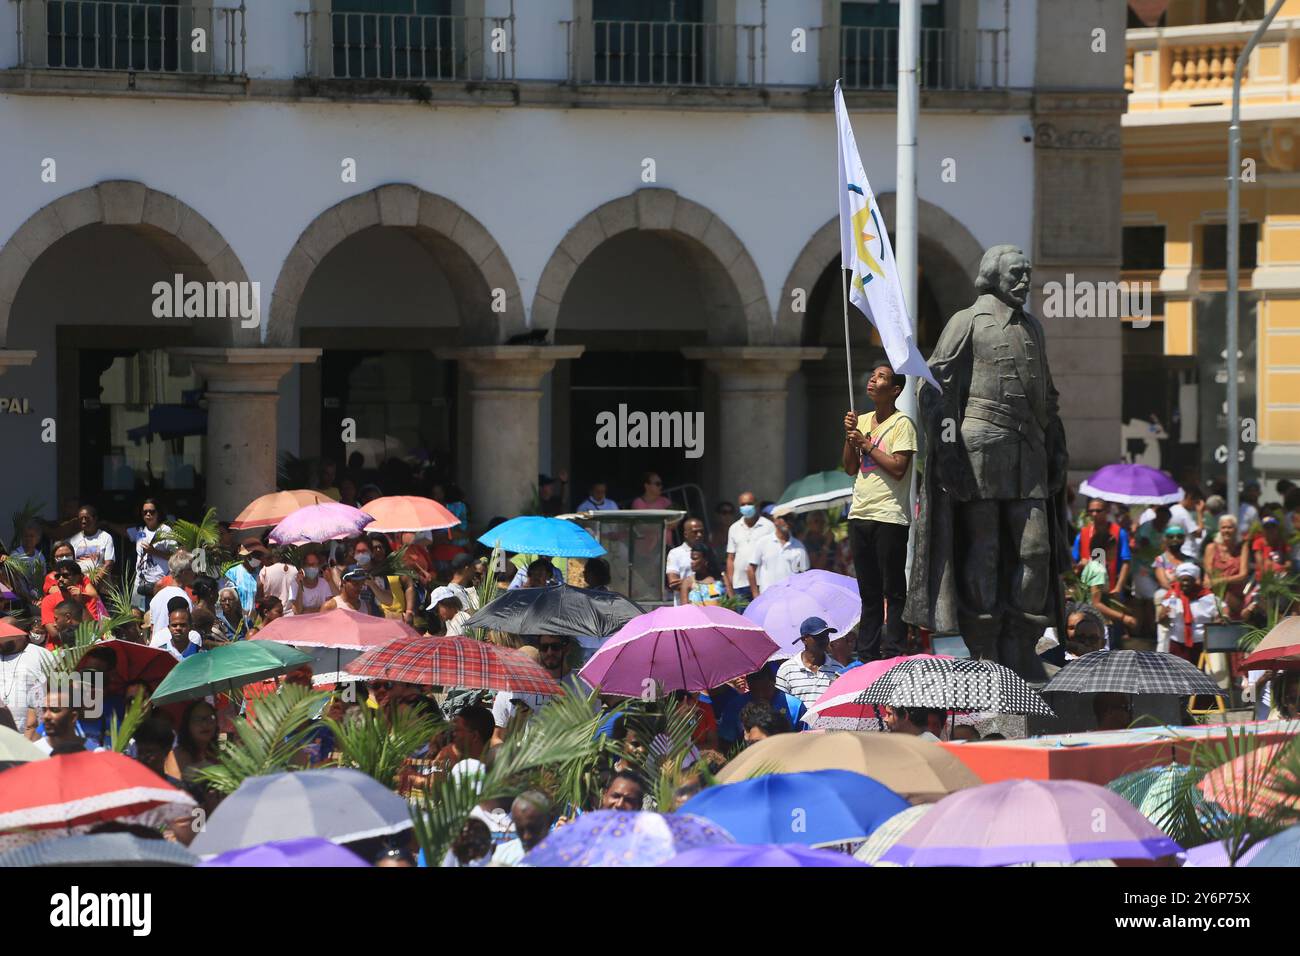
<point x="1005" y="272"/>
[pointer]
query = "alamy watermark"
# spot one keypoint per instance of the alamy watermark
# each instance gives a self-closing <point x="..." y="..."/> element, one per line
<point x="179" y="299"/>
<point x="1098" y="300"/>
<point x="626" y="429"/>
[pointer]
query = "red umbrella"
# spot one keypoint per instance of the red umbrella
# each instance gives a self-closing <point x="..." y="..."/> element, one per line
<point x="397" y="513"/>
<point x="341" y="629"/>
<point x="455" y="662"/>
<point x="1279" y="650"/>
<point x="51" y="797"/>
<point x="9" y="630"/>
<point x="137" y="663"/>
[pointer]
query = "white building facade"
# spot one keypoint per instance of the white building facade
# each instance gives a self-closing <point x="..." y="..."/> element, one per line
<point x="414" y="186"/>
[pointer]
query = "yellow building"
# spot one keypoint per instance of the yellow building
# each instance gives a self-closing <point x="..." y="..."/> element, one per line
<point x="1181" y="58"/>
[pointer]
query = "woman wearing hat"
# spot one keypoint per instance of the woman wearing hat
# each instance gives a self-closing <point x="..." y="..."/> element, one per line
<point x="1185" y="611"/>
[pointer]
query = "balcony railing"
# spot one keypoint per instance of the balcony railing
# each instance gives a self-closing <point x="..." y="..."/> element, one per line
<point x="1174" y="67"/>
<point x="947" y="59"/>
<point x="131" y="36"/>
<point x="409" y="46"/>
<point x="666" y="53"/>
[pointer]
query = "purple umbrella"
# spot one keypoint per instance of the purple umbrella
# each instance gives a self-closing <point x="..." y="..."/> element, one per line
<point x="1216" y="854"/>
<point x="329" y="521"/>
<point x="763" y="854"/>
<point x="307" y="851"/>
<point x="781" y="608"/>
<point x="1132" y="485"/>
<point x="689" y="647"/>
<point x="1030" y="821"/>
<point x="625" y="838"/>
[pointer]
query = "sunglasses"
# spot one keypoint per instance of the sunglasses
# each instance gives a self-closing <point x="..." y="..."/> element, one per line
<point x="543" y="648"/>
<point x="149" y="511"/>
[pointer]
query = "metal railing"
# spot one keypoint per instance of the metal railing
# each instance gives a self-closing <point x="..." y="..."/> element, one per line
<point x="136" y="36"/>
<point x="948" y="59"/>
<point x="409" y="46"/>
<point x="665" y="53"/>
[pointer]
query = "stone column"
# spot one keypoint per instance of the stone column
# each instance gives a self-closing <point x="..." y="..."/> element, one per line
<point x="505" y="402"/>
<point x="242" y="388"/>
<point x="751" y="432"/>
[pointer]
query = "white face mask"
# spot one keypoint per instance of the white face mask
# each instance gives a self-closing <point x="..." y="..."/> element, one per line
<point x="363" y="558"/>
<point x="311" y="573"/>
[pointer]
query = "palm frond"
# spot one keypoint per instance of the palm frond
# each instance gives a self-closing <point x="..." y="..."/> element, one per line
<point x="202" y="541"/>
<point x="396" y="564"/>
<point x="267" y="743"/>
<point x="120" y="733"/>
<point x="377" y="744"/>
<point x="30" y="511"/>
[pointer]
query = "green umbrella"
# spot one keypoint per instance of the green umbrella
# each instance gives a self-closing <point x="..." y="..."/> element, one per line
<point x="228" y="667"/>
<point x="816" y="493"/>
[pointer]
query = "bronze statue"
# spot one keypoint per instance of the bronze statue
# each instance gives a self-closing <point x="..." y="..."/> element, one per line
<point x="991" y="540"/>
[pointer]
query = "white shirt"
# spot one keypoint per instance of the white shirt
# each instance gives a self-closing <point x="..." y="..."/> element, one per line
<point x="158" y="611"/>
<point x="509" y="854"/>
<point x="165" y="644"/>
<point x="468" y="596"/>
<point x="777" y="560"/>
<point x="149" y="568"/>
<point x="1183" y="518"/>
<point x="741" y="540"/>
<point x="504" y="707"/>
<point x="22" y="674"/>
<point x="1204" y="609"/>
<point x="456" y="626"/>
<point x="280" y="580"/>
<point x="97" y="549"/>
<point x="589" y="504"/>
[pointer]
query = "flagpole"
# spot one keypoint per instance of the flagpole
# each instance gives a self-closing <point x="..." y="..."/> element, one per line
<point x="906" y="245"/>
<point x="848" y="350"/>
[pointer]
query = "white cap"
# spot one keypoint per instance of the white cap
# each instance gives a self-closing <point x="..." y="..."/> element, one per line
<point x="1187" y="570"/>
<point x="441" y="594"/>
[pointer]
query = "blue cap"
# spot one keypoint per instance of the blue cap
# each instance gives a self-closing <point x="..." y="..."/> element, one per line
<point x="814" y="626"/>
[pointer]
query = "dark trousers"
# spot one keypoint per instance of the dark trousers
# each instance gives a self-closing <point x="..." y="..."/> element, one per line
<point x="879" y="560"/>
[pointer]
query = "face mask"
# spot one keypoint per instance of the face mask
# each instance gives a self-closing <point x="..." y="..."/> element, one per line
<point x="363" y="558"/>
<point x="748" y="511"/>
<point x="311" y="574"/>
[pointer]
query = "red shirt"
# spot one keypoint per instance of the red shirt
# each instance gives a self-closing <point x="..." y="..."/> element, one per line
<point x="56" y="597"/>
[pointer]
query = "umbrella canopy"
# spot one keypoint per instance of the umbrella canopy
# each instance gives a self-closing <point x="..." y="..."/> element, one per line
<point x="100" y="849"/>
<point x="1153" y="792"/>
<point x="137" y="663"/>
<point x="889" y="833"/>
<point x="1281" y="849"/>
<point x="913" y="768"/>
<point x="625" y="838"/>
<point x="738" y="854"/>
<point x="841" y="698"/>
<point x="1245" y="785"/>
<point x="336" y="804"/>
<point x="15" y="748"/>
<point x="552" y="537"/>
<point x="560" y="610"/>
<point x="1030" y="821"/>
<point x="307" y="851"/>
<point x="1216" y="855"/>
<point x="1132" y="672"/>
<point x="814" y="808"/>
<point x="397" y="513"/>
<point x="689" y="647"/>
<point x="955" y="684"/>
<point x="815" y="492"/>
<point x="269" y="510"/>
<point x="82" y="789"/>
<point x="342" y="629"/>
<point x="455" y="662"/>
<point x="1132" y="485"/>
<point x="226" y="668"/>
<point x="1280" y="648"/>
<point x="330" y="521"/>
<point x="782" y="607"/>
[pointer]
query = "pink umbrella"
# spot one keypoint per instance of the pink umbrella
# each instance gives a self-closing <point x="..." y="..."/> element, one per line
<point x="324" y="522"/>
<point x="340" y="629"/>
<point x="840" y="699"/>
<point x="398" y="513"/>
<point x="689" y="647"/>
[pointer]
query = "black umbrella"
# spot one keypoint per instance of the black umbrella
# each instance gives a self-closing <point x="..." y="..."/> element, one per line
<point x="560" y="610"/>
<point x="955" y="684"/>
<point x="1132" y="672"/>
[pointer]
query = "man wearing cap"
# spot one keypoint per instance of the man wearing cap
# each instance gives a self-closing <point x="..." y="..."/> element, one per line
<point x="243" y="577"/>
<point x="446" y="604"/>
<point x="349" y="597"/>
<point x="1186" y="610"/>
<point x="810" y="672"/>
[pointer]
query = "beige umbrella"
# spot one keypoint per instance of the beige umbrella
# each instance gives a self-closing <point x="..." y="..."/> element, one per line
<point x="15" y="748"/>
<point x="917" y="769"/>
<point x="269" y="510"/>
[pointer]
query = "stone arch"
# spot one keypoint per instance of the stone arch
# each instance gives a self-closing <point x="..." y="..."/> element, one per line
<point x="940" y="234"/>
<point x="190" y="243"/>
<point x="729" y="280"/>
<point x="473" y="261"/>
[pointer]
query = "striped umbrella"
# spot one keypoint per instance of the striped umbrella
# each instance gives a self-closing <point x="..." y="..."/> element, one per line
<point x="455" y="662"/>
<point x="1279" y="650"/>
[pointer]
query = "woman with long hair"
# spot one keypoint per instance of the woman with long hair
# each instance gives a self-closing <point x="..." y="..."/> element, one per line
<point x="196" y="741"/>
<point x="707" y="583"/>
<point x="1227" y="563"/>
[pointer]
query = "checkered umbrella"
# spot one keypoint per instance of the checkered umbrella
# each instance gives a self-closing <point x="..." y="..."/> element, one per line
<point x="1132" y="672"/>
<point x="454" y="662"/>
<point x="955" y="684"/>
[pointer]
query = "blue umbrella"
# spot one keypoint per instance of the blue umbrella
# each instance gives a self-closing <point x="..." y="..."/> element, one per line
<point x="1281" y="849"/>
<point x="740" y="854"/>
<point x="625" y="838"/>
<point x="813" y="808"/>
<point x="552" y="537"/>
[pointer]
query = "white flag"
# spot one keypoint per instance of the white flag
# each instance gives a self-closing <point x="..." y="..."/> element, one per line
<point x="866" y="252"/>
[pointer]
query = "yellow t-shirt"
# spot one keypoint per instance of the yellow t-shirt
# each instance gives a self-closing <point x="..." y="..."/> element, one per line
<point x="876" y="496"/>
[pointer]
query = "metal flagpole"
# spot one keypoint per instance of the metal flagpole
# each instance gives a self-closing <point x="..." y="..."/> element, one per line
<point x="1234" y="253"/>
<point x="905" y="235"/>
<point x="848" y="350"/>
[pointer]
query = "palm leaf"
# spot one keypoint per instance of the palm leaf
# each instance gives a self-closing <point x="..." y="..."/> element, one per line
<point x="202" y="541"/>
<point x="120" y="733"/>
<point x="30" y="511"/>
<point x="377" y="744"/>
<point x="267" y="743"/>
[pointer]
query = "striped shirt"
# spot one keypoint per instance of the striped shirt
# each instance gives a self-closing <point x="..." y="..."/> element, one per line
<point x="794" y="677"/>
